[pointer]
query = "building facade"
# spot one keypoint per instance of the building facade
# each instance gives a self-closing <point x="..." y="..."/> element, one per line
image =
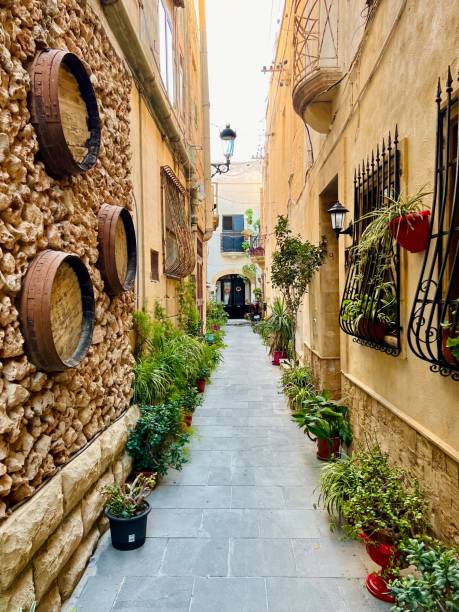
<point x="363" y="105"/>
<point x="233" y="270"/>
<point x="141" y="67"/>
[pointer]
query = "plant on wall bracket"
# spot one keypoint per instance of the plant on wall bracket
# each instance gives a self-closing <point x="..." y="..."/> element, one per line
<point x="294" y="264"/>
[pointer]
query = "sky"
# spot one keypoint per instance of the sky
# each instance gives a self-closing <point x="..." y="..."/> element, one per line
<point x="240" y="37"/>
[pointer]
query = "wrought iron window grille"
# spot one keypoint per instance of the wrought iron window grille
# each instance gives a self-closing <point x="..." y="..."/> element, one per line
<point x="434" y="320"/>
<point x="370" y="308"/>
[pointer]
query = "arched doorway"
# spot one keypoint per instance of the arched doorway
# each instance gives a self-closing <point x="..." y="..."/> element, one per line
<point x="234" y="291"/>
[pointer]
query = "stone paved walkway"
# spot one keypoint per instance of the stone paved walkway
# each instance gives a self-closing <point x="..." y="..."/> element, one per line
<point x="235" y="531"/>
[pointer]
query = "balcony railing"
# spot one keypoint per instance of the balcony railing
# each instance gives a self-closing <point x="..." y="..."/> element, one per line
<point x="257" y="249"/>
<point x="316" y="67"/>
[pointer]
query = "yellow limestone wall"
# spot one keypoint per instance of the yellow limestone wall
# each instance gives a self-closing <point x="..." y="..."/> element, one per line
<point x="390" y="69"/>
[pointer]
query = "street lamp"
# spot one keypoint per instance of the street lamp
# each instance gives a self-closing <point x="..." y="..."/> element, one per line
<point x="227" y="135"/>
<point x="337" y="213"/>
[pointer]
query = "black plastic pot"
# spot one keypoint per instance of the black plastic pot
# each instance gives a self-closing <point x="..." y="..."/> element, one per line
<point x="128" y="533"/>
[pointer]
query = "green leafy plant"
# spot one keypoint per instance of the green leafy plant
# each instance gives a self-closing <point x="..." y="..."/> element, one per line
<point x="258" y="294"/>
<point x="371" y="496"/>
<point x="298" y="384"/>
<point x="453" y="344"/>
<point x="188" y="317"/>
<point x="324" y="418"/>
<point x="158" y="441"/>
<point x="128" y="500"/>
<point x="294" y="264"/>
<point x="277" y="328"/>
<point x="203" y="374"/>
<point x="249" y="271"/>
<point x="245" y="245"/>
<point x="190" y="399"/>
<point x="376" y="233"/>
<point x="381" y="306"/>
<point x="435" y="585"/>
<point x="216" y="314"/>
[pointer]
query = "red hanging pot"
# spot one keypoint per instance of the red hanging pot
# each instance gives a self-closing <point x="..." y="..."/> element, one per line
<point x="411" y="231"/>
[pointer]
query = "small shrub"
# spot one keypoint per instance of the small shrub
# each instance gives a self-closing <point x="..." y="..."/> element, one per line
<point x="128" y="500"/>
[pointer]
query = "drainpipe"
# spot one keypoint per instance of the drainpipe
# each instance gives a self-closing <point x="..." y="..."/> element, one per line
<point x="205" y="102"/>
<point x="150" y="87"/>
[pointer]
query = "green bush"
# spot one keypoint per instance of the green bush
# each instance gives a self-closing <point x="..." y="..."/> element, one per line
<point x="216" y="314"/>
<point x="298" y="384"/>
<point x="370" y="496"/>
<point x="158" y="441"/>
<point x="435" y="586"/>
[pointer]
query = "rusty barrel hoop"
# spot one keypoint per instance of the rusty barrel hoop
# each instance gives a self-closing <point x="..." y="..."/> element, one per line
<point x="108" y="218"/>
<point x="46" y="116"/>
<point x="36" y="316"/>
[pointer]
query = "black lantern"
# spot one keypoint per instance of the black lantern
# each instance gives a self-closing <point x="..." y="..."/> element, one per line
<point x="227" y="135"/>
<point x="337" y="213"/>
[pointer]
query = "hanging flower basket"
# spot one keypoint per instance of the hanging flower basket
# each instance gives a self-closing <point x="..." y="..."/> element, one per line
<point x="411" y="231"/>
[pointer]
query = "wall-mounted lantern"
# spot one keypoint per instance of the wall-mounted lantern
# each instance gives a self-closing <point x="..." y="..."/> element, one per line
<point x="337" y="214"/>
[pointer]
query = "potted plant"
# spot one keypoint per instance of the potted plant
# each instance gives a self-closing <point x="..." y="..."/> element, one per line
<point x="450" y="337"/>
<point x="404" y="219"/>
<point x="435" y="583"/>
<point x="190" y="400"/>
<point x="377" y="503"/>
<point x="127" y="510"/>
<point x="298" y="384"/>
<point x="324" y="421"/>
<point x="373" y="315"/>
<point x="201" y="378"/>
<point x="277" y="330"/>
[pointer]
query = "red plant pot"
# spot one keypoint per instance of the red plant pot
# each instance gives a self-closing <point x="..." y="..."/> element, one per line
<point x="411" y="231"/>
<point x="384" y="555"/>
<point x="216" y="327"/>
<point x="376" y="330"/>
<point x="447" y="352"/>
<point x="277" y="356"/>
<point x="328" y="449"/>
<point x="188" y="419"/>
<point x="201" y="385"/>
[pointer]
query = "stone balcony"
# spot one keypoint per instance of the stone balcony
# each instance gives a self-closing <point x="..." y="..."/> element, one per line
<point x="316" y="63"/>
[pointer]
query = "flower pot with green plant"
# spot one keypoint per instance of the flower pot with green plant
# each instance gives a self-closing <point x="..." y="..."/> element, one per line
<point x="434" y="585"/>
<point x="127" y="510"/>
<point x="201" y="379"/>
<point x="325" y="422"/>
<point x="372" y="316"/>
<point x="277" y="330"/>
<point x="377" y="503"/>
<point x="405" y="219"/>
<point x="298" y="383"/>
<point x="450" y="335"/>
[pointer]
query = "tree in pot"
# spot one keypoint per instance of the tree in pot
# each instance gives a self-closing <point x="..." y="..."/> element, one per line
<point x="294" y="264"/>
<point x="378" y="504"/>
<point x="324" y="421"/>
<point x="127" y="510"/>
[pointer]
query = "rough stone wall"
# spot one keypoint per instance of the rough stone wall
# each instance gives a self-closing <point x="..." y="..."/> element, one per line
<point x="437" y="472"/>
<point x="327" y="372"/>
<point x="46" y="543"/>
<point x="45" y="419"/>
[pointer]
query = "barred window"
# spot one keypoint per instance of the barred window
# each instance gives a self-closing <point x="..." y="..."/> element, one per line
<point x="433" y="331"/>
<point x="370" y="308"/>
<point x="180" y="258"/>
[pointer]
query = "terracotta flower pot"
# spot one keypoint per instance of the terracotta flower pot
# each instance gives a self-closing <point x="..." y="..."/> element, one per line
<point x="384" y="555"/>
<point x="411" y="231"/>
<point x="201" y="385"/>
<point x="216" y="327"/>
<point x="188" y="419"/>
<point x="376" y="330"/>
<point x="328" y="449"/>
<point x="447" y="352"/>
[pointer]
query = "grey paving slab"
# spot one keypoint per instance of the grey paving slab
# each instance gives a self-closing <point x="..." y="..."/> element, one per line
<point x="159" y="594"/>
<point x="262" y="557"/>
<point x="236" y="530"/>
<point x="229" y="595"/>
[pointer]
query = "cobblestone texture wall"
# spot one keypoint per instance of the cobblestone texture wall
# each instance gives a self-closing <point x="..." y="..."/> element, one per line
<point x="437" y="471"/>
<point x="46" y="419"/>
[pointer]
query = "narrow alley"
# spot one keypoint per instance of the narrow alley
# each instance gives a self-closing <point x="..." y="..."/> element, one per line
<point x="236" y="530"/>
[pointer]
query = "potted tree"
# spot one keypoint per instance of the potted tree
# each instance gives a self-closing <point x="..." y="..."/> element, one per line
<point x="127" y="510"/>
<point x="324" y="421"/>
